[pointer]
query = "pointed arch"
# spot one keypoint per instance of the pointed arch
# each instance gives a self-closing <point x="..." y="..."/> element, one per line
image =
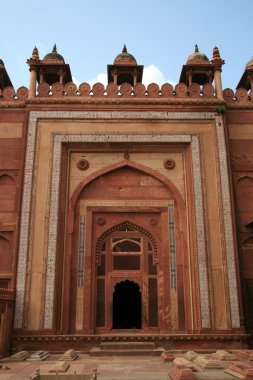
<point x="6" y="179"/>
<point x="131" y="164"/>
<point x="248" y="241"/>
<point x="122" y="226"/>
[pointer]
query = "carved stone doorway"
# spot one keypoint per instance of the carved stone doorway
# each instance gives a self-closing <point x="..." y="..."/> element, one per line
<point x="127" y="305"/>
<point x="126" y="278"/>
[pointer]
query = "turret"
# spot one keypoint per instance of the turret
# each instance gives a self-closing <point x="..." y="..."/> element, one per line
<point x="125" y="69"/>
<point x="52" y="68"/>
<point x="199" y="69"/>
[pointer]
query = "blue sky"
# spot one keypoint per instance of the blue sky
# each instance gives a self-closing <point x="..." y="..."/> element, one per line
<point x="160" y="34"/>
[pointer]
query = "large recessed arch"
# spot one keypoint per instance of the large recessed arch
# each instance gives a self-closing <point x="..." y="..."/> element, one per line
<point x="127" y="163"/>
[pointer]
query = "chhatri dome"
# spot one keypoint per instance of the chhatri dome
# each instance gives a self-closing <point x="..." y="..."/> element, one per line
<point x="54" y="55"/>
<point x="125" y="58"/>
<point x="197" y="56"/>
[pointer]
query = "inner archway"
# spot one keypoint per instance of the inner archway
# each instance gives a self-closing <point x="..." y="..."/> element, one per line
<point x="127" y="305"/>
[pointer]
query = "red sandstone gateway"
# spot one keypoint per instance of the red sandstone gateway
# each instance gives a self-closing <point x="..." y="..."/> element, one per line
<point x="122" y="207"/>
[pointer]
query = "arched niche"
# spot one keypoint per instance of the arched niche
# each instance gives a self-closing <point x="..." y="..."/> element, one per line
<point x="125" y="180"/>
<point x="127" y="254"/>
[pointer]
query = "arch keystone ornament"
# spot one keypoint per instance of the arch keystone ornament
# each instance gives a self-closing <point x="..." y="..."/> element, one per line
<point x="192" y="140"/>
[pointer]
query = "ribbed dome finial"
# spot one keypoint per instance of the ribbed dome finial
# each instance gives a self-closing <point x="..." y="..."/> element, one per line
<point x="54" y="55"/>
<point x="197" y="56"/>
<point x="125" y="57"/>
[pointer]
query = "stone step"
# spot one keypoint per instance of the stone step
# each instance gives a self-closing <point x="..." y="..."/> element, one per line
<point x="127" y="346"/>
<point x="97" y="351"/>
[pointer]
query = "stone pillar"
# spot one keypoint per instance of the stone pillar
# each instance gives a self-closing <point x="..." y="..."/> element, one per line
<point x="61" y="78"/>
<point x="217" y="62"/>
<point x="41" y="77"/>
<point x="32" y="85"/>
<point x="218" y="83"/>
<point x="190" y="77"/>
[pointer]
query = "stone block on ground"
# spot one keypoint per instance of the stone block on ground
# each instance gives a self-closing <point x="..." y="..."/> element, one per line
<point x="20" y="356"/>
<point x="191" y="355"/>
<point x="240" y="370"/>
<point x="59" y="367"/>
<point x="223" y="355"/>
<point x="167" y="356"/>
<point x="183" y="362"/>
<point x="69" y="355"/>
<point x="179" y="372"/>
<point x="205" y="362"/>
<point x="38" y="355"/>
<point x="246" y="354"/>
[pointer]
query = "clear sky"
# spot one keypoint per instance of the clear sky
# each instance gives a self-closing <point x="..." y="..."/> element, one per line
<point x="161" y="34"/>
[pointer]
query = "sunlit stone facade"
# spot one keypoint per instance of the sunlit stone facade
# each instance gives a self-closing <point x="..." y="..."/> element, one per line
<point x="126" y="211"/>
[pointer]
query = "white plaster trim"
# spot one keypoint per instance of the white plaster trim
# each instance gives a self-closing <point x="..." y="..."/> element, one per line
<point x="26" y="203"/>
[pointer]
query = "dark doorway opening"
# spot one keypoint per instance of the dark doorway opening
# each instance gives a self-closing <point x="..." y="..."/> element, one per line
<point x="127" y="306"/>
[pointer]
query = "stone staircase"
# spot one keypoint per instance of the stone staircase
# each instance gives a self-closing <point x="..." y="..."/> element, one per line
<point x="126" y="349"/>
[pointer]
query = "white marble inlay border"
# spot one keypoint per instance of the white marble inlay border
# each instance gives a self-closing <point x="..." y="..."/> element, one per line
<point x="201" y="238"/>
<point x="228" y="228"/>
<point x="25" y="218"/>
<point x="58" y="141"/>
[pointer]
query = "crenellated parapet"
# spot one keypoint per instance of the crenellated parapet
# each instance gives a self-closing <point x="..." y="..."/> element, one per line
<point x="112" y="90"/>
<point x="8" y="94"/>
<point x="125" y="90"/>
<point x="240" y="97"/>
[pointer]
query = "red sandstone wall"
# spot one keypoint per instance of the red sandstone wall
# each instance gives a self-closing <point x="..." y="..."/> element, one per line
<point x="11" y="163"/>
<point x="6" y="316"/>
<point x="240" y="127"/>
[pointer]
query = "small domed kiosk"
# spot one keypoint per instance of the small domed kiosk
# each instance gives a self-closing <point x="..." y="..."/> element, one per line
<point x="125" y="69"/>
<point x="51" y="69"/>
<point x="198" y="69"/>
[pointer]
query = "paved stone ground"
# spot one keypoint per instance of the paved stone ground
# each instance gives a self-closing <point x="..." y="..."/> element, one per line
<point x="108" y="368"/>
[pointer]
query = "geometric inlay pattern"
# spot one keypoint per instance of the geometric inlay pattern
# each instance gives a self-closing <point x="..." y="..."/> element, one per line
<point x="81" y="252"/>
<point x="201" y="238"/>
<point x="172" y="246"/>
<point x="228" y="227"/>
